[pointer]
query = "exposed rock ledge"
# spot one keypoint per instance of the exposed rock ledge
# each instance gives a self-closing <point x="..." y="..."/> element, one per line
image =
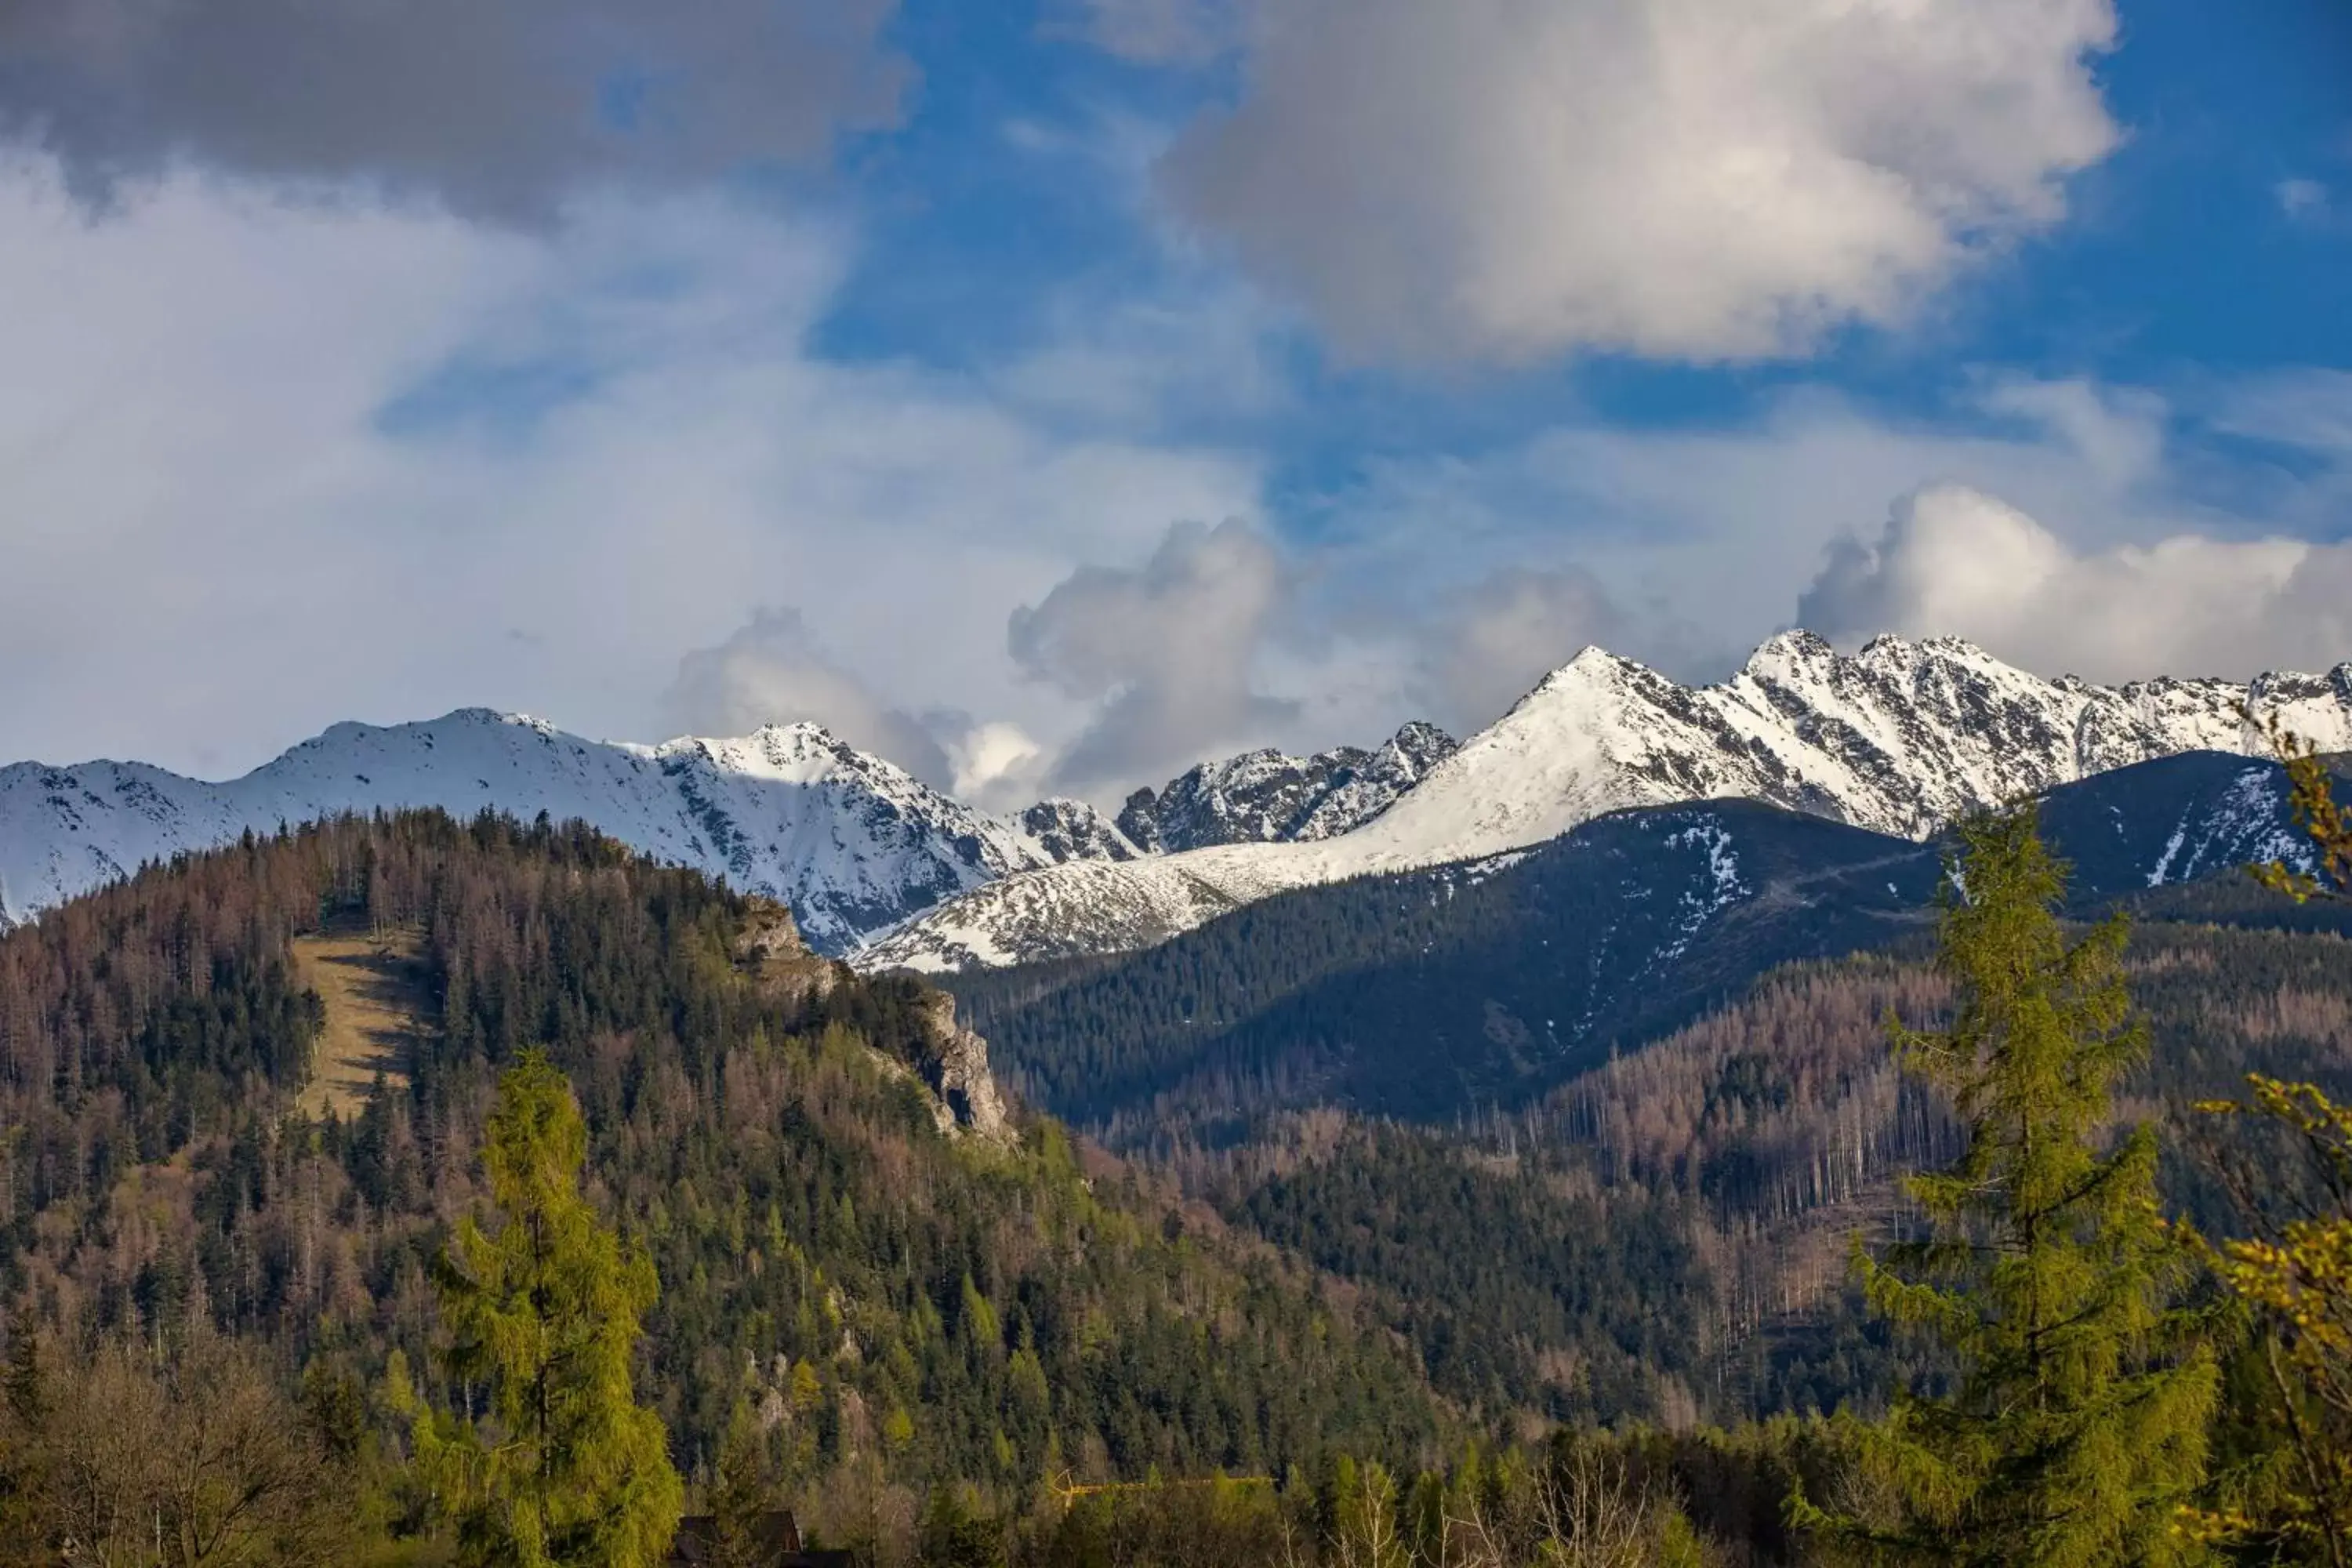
<point x="954" y="1067"/>
<point x="963" y="1082"/>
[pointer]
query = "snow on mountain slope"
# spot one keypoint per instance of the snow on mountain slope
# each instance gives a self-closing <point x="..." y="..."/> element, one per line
<point x="849" y="841"/>
<point x="1265" y="795"/>
<point x="1899" y="738"/>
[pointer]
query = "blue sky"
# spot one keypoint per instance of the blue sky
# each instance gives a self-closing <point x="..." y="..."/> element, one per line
<point x="1051" y="395"/>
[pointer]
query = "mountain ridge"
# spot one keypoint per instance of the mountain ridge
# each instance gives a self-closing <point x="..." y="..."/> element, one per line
<point x="1897" y="737"/>
<point x="880" y="867"/>
<point x="848" y="840"/>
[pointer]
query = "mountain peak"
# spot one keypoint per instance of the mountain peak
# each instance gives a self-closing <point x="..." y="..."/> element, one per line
<point x="1899" y="736"/>
<point x="1269" y="797"/>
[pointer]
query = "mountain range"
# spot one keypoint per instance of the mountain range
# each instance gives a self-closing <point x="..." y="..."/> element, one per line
<point x="1894" y="738"/>
<point x="1897" y="738"/>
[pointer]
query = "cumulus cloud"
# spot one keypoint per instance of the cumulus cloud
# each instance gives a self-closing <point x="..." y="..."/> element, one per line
<point x="772" y="672"/>
<point x="372" y="445"/>
<point x="1708" y="180"/>
<point x="1954" y="561"/>
<point x="1167" y="651"/>
<point x="997" y="766"/>
<point x="498" y="108"/>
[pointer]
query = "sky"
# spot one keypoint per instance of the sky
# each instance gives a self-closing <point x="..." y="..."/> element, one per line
<point x="1049" y="394"/>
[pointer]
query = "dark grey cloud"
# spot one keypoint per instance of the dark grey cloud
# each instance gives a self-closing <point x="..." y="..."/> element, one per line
<point x="1168" y="651"/>
<point x="497" y="108"/>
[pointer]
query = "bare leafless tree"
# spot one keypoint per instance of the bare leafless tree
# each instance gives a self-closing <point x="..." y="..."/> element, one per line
<point x="196" y="1462"/>
<point x="1592" y="1513"/>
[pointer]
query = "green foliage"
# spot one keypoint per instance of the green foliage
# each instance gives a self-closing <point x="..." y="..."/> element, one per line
<point x="566" y="1469"/>
<point x="959" y="1531"/>
<point x="2288" y="1495"/>
<point x="742" y="1493"/>
<point x="813" y="1228"/>
<point x="1616" y="1284"/>
<point x="1422" y="994"/>
<point x="2078" y="1431"/>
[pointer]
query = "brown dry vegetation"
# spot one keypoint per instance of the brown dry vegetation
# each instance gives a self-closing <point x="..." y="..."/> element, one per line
<point x="376" y="1005"/>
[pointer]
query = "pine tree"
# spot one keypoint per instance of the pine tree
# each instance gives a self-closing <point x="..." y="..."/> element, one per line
<point x="567" y="1471"/>
<point x="743" y="1491"/>
<point x="2077" y="1430"/>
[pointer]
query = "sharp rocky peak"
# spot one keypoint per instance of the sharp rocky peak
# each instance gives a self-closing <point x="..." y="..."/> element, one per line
<point x="1899" y="736"/>
<point x="1269" y="797"/>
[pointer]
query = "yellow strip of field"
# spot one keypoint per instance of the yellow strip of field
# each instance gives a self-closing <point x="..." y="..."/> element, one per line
<point x="376" y="1010"/>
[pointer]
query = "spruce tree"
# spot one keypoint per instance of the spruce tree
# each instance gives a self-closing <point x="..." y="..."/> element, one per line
<point x="2046" y="1272"/>
<point x="741" y="1492"/>
<point x="567" y="1471"/>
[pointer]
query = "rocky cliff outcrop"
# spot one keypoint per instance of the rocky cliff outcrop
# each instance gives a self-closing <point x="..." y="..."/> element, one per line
<point x="961" y="1078"/>
<point x="951" y="1062"/>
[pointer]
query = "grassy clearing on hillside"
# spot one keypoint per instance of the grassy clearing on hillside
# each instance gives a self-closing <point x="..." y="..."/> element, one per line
<point x="376" y="1010"/>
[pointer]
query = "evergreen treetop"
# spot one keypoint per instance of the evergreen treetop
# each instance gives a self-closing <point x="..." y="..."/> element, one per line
<point x="567" y="1471"/>
<point x="2048" y="1272"/>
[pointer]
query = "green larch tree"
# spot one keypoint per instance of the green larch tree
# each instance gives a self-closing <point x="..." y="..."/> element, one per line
<point x="565" y="1469"/>
<point x="2077" y="1429"/>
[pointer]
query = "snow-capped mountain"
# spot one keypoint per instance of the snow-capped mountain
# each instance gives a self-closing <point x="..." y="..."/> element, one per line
<point x="1267" y="796"/>
<point x="1898" y="738"/>
<point x="849" y="841"/>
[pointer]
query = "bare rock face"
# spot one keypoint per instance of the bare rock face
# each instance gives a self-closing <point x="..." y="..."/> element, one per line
<point x="962" y="1078"/>
<point x="954" y="1064"/>
<point x="770" y="948"/>
<point x="1267" y="797"/>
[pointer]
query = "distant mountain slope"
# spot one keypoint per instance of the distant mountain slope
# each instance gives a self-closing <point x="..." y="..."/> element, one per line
<point x="848" y="840"/>
<point x="1674" y="1228"/>
<point x="1267" y="796"/>
<point x="1896" y="738"/>
<point x="851" y="842"/>
<point x="1428" y="992"/>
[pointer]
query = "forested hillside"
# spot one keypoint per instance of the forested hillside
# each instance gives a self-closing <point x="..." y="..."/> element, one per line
<point x="879" y="1292"/>
<point x="906" y="1304"/>
<point x="1667" y="1236"/>
<point x="1429" y="994"/>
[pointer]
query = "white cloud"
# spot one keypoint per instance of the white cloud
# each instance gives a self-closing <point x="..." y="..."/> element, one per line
<point x="1954" y="561"/>
<point x="1705" y="538"/>
<point x="2300" y="198"/>
<point x="1157" y="32"/>
<point x="772" y="672"/>
<point x="1168" y="651"/>
<point x="997" y="766"/>
<point x="263" y="467"/>
<point x="1695" y="179"/>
